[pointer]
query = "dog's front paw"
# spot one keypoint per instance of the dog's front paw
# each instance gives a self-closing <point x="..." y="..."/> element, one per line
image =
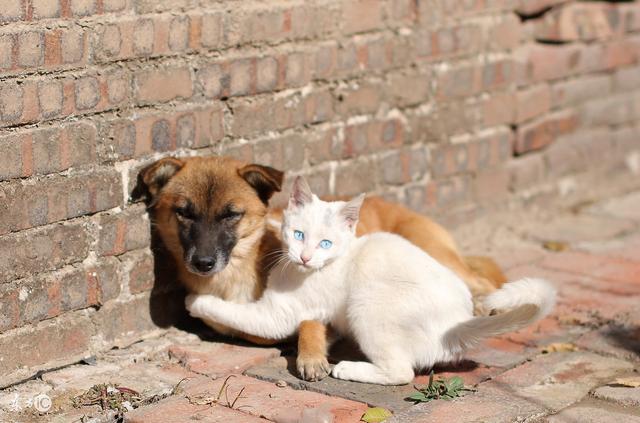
<point x="313" y="368"/>
<point x="196" y="304"/>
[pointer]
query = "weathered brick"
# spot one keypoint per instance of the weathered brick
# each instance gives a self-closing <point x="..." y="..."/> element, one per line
<point x="30" y="49"/>
<point x="532" y="7"/>
<point x="6" y="49"/>
<point x="83" y="7"/>
<point x="210" y="80"/>
<point x="544" y="131"/>
<point x="58" y="198"/>
<point x="160" y="132"/>
<point x="565" y="369"/>
<point x="51" y="294"/>
<point x="143" y="37"/>
<point x="265" y="114"/>
<point x="361" y="98"/>
<point x="355" y="178"/>
<point x="361" y="15"/>
<point x="575" y="91"/>
<point x="544" y="62"/>
<point x="52" y="343"/>
<point x="578" y="21"/>
<point x="372" y="136"/>
<point x="12" y="10"/>
<point x="586" y="412"/>
<point x="125" y="231"/>
<point x="163" y="85"/>
<point x="177" y="409"/>
<point x="533" y="102"/>
<point x="179" y="34"/>
<point x="50" y="98"/>
<point x="11" y="102"/>
<point x="45" y="9"/>
<point x="212" y="30"/>
<point x="526" y="171"/>
<point x="281" y="152"/>
<point x="87" y="93"/>
<point x="499" y="108"/>
<point x="124" y="322"/>
<point x="614" y="110"/>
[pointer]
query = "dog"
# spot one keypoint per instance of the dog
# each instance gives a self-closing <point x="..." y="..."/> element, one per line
<point x="212" y="214"/>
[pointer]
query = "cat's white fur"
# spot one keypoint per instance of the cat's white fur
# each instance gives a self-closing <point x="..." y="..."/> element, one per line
<point x="405" y="310"/>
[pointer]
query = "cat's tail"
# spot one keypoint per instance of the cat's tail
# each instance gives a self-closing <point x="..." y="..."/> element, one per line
<point x="525" y="301"/>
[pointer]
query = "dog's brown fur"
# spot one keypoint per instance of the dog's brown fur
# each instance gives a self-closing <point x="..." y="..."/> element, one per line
<point x="213" y="182"/>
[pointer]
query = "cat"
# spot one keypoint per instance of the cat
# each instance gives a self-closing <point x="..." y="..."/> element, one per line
<point x="405" y="310"/>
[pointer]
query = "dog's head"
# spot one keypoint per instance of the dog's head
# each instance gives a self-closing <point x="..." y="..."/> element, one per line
<point x="208" y="210"/>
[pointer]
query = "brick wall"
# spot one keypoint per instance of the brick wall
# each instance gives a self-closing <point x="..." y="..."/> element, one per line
<point x="444" y="105"/>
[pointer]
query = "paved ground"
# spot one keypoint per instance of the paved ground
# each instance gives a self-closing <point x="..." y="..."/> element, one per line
<point x="592" y="338"/>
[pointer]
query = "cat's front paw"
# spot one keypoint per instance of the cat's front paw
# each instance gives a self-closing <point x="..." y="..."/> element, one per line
<point x="313" y="368"/>
<point x="347" y="370"/>
<point x="197" y="304"/>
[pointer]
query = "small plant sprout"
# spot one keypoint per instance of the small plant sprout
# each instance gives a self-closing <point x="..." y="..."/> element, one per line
<point x="445" y="389"/>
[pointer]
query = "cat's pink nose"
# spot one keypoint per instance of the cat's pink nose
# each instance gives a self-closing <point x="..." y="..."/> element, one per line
<point x="305" y="259"/>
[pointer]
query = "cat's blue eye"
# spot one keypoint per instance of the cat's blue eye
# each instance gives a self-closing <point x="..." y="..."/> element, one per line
<point x="298" y="235"/>
<point x="326" y="244"/>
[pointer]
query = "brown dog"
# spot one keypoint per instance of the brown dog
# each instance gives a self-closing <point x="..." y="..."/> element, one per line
<point x="212" y="215"/>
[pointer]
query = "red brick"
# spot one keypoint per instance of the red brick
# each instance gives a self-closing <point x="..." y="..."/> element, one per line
<point x="578" y="90"/>
<point x="459" y="81"/>
<point x="264" y="114"/>
<point x="578" y="21"/>
<point x="24" y="253"/>
<point x="143" y="37"/>
<point x="354" y="178"/>
<point x="533" y="102"/>
<point x="140" y="265"/>
<point x="506" y="33"/>
<point x="361" y="15"/>
<point x="125" y="231"/>
<point x="52" y="343"/>
<point x="532" y="7"/>
<point x="499" y="108"/>
<point x="608" y="268"/>
<point x="574" y="375"/>
<point x="372" y="136"/>
<point x="30" y="49"/>
<point x="163" y="85"/>
<point x="544" y="131"/>
<point x="11" y="160"/>
<point x="11" y="11"/>
<point x="266" y="400"/>
<point x="51" y="294"/>
<point x="526" y="171"/>
<point x="60" y="198"/>
<point x="544" y="62"/>
<point x="45" y="9"/>
<point x="177" y="409"/>
<point x="218" y="359"/>
<point x="124" y="322"/>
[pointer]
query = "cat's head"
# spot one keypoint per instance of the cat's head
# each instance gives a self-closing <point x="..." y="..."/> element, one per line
<point x="314" y="231"/>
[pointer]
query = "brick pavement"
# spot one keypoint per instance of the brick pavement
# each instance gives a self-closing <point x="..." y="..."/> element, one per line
<point x="597" y="323"/>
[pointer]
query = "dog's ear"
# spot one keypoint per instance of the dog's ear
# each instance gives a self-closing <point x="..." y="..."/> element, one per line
<point x="157" y="174"/>
<point x="264" y="179"/>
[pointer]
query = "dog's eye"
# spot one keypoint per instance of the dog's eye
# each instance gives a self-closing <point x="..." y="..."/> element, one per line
<point x="232" y="216"/>
<point x="183" y="213"/>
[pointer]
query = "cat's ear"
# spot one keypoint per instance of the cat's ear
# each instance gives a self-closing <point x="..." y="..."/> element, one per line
<point x="300" y="193"/>
<point x="351" y="211"/>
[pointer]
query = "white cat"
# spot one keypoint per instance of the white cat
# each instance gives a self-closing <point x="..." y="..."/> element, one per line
<point x="405" y="310"/>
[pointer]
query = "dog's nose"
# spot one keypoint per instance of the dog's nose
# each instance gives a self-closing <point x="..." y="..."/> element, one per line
<point x="203" y="264"/>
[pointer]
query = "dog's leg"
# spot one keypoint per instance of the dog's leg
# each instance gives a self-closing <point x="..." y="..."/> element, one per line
<point x="313" y="346"/>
